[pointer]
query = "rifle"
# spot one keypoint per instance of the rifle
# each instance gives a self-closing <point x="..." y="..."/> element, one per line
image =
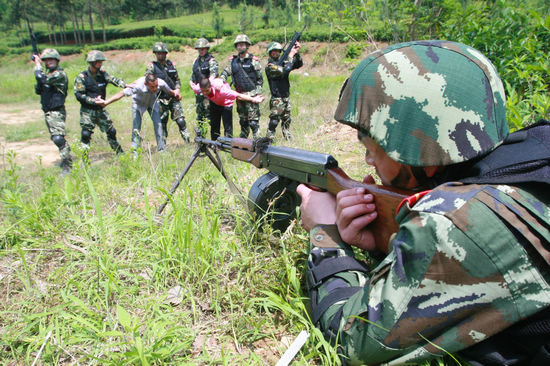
<point x="33" y="41"/>
<point x="274" y="193"/>
<point x="295" y="39"/>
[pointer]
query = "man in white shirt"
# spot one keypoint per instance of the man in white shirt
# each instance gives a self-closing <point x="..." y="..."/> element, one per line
<point x="144" y="92"/>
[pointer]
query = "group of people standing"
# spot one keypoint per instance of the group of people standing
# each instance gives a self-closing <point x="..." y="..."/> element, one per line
<point x="158" y="93"/>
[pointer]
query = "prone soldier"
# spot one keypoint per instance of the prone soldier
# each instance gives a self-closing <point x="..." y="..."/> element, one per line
<point x="246" y="72"/>
<point x="205" y="65"/>
<point x="52" y="88"/>
<point x="90" y="90"/>
<point x="277" y="77"/>
<point x="165" y="69"/>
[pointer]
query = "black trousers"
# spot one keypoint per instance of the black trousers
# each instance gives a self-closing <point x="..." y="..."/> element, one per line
<point x="218" y="113"/>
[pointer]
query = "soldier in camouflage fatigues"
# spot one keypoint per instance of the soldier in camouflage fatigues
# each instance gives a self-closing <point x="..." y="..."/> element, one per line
<point x="90" y="90"/>
<point x="52" y="88"/>
<point x="468" y="270"/>
<point x="165" y="69"/>
<point x="277" y="76"/>
<point x="246" y="73"/>
<point x="204" y="66"/>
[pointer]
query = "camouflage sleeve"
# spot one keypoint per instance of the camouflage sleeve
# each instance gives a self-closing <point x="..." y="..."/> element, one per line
<point x="447" y="283"/>
<point x="260" y="78"/>
<point x="273" y="71"/>
<point x="58" y="80"/>
<point x="40" y="79"/>
<point x="226" y="73"/>
<point x="114" y="80"/>
<point x="80" y="91"/>
<point x="177" y="80"/>
<point x="297" y="62"/>
<point x="213" y="67"/>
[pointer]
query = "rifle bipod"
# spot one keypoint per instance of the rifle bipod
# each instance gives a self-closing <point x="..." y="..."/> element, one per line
<point x="201" y="151"/>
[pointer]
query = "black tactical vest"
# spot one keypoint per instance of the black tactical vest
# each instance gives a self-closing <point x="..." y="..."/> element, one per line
<point x="168" y="73"/>
<point x="201" y="69"/>
<point x="94" y="87"/>
<point x="243" y="74"/>
<point x="51" y="98"/>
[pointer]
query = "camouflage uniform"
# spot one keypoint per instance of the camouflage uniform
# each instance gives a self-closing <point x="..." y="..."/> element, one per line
<point x="203" y="67"/>
<point x="86" y="87"/>
<point x="468" y="260"/>
<point x="246" y="74"/>
<point x="52" y="88"/>
<point x="277" y="76"/>
<point x="168" y="105"/>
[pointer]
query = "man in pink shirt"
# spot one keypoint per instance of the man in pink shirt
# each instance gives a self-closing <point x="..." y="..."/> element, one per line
<point x="222" y="97"/>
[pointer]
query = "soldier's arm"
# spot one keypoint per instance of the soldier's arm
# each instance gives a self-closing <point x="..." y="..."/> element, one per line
<point x="40" y="78"/>
<point x="260" y="79"/>
<point x="226" y="73"/>
<point x="214" y="67"/>
<point x="177" y="80"/>
<point x="297" y="62"/>
<point x="80" y="91"/>
<point x="114" y="80"/>
<point x="273" y="71"/>
<point x="58" y="80"/>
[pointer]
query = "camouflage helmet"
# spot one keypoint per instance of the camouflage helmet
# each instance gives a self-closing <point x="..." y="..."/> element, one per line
<point x="95" y="55"/>
<point x="202" y="43"/>
<point x="50" y="53"/>
<point x="426" y="103"/>
<point x="160" y="47"/>
<point x="273" y="46"/>
<point x="242" y="38"/>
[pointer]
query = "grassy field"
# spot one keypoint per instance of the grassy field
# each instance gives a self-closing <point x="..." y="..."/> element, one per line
<point x="89" y="274"/>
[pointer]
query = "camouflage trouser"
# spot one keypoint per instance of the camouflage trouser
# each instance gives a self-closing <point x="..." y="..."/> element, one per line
<point x="55" y="121"/>
<point x="249" y="115"/>
<point x="171" y="106"/>
<point x="279" y="110"/>
<point x="89" y="118"/>
<point x="202" y="107"/>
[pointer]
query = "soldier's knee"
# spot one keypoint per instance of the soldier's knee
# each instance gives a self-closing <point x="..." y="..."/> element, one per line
<point x="273" y="124"/>
<point x="181" y="123"/>
<point x="59" y="141"/>
<point x="111" y="133"/>
<point x="85" y="136"/>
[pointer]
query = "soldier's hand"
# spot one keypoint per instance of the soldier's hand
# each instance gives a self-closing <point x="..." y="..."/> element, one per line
<point x="177" y="94"/>
<point x="36" y="60"/>
<point x="294" y="49"/>
<point x="100" y="101"/>
<point x="317" y="208"/>
<point x="258" y="99"/>
<point x="355" y="210"/>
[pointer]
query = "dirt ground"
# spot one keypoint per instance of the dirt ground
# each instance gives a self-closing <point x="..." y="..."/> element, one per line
<point x="42" y="151"/>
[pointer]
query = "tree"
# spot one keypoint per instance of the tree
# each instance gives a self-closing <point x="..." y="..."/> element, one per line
<point x="217" y="20"/>
<point x="92" y="37"/>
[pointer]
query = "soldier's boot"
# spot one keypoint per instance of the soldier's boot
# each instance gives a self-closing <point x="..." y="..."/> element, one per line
<point x="66" y="166"/>
<point x="165" y="129"/>
<point x="285" y="128"/>
<point x="255" y="127"/>
<point x="271" y="128"/>
<point x="85" y="137"/>
<point x="111" y="137"/>
<point x="183" y="129"/>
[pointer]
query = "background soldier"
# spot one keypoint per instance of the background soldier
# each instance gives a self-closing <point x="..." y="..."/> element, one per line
<point x="204" y="66"/>
<point x="90" y="90"/>
<point x="277" y="76"/>
<point x="166" y="70"/>
<point x="246" y="72"/>
<point x="52" y="88"/>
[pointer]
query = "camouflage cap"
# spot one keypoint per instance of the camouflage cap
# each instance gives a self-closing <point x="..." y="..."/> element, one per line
<point x="95" y="55"/>
<point x="160" y="47"/>
<point x="426" y="103"/>
<point x="274" y="46"/>
<point x="202" y="43"/>
<point x="242" y="38"/>
<point x="50" y="53"/>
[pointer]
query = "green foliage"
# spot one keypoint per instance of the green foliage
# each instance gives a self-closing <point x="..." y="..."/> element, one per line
<point x="354" y="50"/>
<point x="217" y="20"/>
